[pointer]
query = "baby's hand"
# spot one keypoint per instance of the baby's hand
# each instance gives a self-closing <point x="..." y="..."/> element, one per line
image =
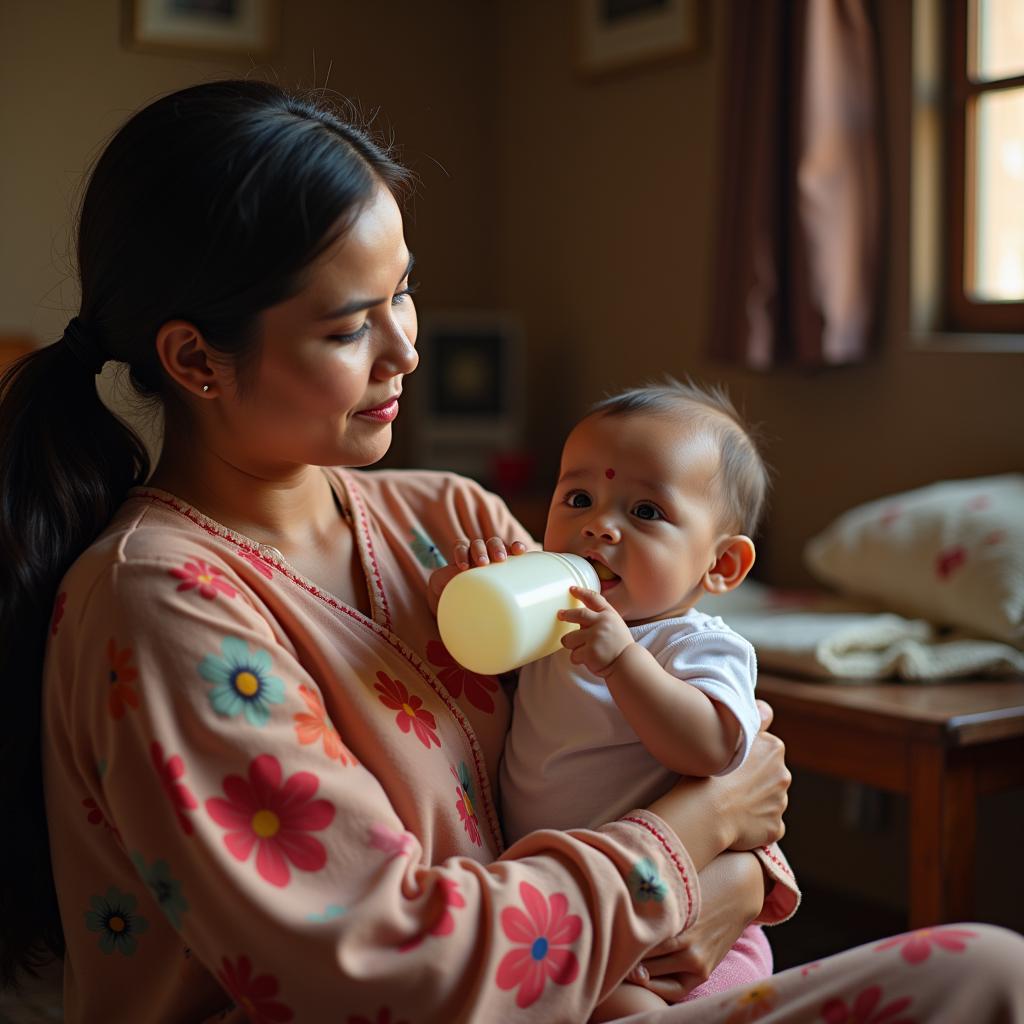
<point x="477" y="552"/>
<point x="480" y="551"/>
<point x="602" y="636"/>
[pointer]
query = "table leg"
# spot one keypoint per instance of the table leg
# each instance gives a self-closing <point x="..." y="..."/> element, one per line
<point x="942" y="834"/>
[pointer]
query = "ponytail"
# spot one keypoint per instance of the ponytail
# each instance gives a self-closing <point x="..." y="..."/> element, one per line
<point x="66" y="463"/>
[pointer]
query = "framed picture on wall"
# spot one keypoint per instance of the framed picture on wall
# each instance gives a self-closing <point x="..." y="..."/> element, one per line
<point x="203" y="28"/>
<point x="614" y="35"/>
<point x="468" y="396"/>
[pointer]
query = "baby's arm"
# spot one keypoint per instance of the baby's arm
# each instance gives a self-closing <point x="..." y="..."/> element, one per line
<point x="682" y="727"/>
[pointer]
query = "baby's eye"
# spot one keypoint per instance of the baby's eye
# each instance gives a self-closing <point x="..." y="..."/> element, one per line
<point x="645" y="510"/>
<point x="578" y="499"/>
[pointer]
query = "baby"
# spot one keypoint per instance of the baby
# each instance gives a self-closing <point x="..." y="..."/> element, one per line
<point x="659" y="488"/>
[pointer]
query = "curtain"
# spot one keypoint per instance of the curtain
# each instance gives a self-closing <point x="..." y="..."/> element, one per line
<point x="799" y="223"/>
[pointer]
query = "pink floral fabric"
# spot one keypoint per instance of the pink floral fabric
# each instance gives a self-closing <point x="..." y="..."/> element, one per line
<point x="274" y="815"/>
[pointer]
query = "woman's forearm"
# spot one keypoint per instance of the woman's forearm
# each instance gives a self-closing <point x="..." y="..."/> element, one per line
<point x="694" y="811"/>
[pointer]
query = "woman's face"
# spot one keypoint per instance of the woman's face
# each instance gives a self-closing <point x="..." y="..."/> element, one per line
<point x="326" y="385"/>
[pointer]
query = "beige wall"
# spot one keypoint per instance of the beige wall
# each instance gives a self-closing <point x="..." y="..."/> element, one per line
<point x="608" y="192"/>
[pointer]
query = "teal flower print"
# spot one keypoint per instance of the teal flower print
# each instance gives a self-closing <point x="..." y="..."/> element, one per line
<point x="425" y="550"/>
<point x="242" y="682"/>
<point x="330" y="912"/>
<point x="114" y="917"/>
<point x="645" y="883"/>
<point x="165" y="889"/>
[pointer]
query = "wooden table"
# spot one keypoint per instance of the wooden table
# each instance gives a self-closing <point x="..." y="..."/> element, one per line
<point x="941" y="744"/>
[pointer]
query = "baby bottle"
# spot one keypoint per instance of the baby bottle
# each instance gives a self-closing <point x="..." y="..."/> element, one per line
<point x="497" y="617"/>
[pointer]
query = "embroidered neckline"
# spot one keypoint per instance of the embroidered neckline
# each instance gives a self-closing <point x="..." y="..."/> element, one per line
<point x="344" y="491"/>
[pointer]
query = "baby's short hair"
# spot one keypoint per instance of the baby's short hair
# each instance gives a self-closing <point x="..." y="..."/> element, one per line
<point x="742" y="473"/>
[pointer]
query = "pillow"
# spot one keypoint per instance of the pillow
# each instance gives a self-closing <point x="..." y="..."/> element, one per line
<point x="952" y="553"/>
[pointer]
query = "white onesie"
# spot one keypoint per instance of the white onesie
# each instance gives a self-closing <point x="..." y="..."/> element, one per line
<point x="571" y="759"/>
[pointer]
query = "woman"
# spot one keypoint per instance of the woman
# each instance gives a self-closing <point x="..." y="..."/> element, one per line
<point x="266" y="784"/>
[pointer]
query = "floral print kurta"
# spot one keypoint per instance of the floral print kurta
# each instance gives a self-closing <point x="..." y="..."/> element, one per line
<point x="267" y="806"/>
<point x="258" y="795"/>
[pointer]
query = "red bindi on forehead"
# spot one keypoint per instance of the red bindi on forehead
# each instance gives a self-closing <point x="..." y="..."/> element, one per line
<point x="610" y="474"/>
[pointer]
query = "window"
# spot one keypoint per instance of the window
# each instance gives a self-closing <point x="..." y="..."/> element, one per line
<point x="984" y="128"/>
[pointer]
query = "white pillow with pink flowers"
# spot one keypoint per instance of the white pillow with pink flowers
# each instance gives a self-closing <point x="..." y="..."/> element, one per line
<point x="952" y="553"/>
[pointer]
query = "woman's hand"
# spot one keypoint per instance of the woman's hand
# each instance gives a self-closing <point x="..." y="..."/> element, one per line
<point x="732" y="893"/>
<point x="759" y="789"/>
<point x="465" y="555"/>
<point x="739" y="811"/>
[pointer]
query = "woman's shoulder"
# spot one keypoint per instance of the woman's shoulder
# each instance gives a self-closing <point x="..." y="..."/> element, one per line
<point x="150" y="530"/>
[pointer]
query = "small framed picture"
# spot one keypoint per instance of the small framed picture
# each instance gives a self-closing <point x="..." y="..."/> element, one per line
<point x="468" y="394"/>
<point x="205" y="28"/>
<point x="613" y="35"/>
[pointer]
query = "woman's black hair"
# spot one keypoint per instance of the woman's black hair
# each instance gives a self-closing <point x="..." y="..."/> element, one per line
<point x="207" y="206"/>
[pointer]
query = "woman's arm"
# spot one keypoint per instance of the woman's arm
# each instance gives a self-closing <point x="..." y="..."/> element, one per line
<point x="732" y="893"/>
<point x="739" y="811"/>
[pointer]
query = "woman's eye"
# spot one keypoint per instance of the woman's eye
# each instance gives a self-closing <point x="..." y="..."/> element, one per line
<point x="410" y="289"/>
<point x="578" y="499"/>
<point x="645" y="510"/>
<point x="354" y="336"/>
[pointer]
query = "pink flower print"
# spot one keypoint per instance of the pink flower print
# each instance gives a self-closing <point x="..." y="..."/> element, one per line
<point x="917" y="946"/>
<point x="253" y="994"/>
<point x="807" y="968"/>
<point x="541" y="931"/>
<point x="456" y="678"/>
<point x="170" y="772"/>
<point x="97" y="817"/>
<point x="383" y="1017"/>
<point x="753" y="1004"/>
<point x="123" y="674"/>
<point x="258" y="564"/>
<point x="389" y="841"/>
<point x="411" y="715"/>
<point x="865" y="1009"/>
<point x="949" y="561"/>
<point x="261" y="812"/>
<point x="993" y="538"/>
<point x="445" y="924"/>
<point x="890" y="514"/>
<point x="979" y="503"/>
<point x="58" y="611"/>
<point x="205" y="577"/>
<point x="315" y="725"/>
<point x="464" y="803"/>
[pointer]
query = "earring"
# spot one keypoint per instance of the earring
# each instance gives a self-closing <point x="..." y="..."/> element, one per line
<point x="206" y="387"/>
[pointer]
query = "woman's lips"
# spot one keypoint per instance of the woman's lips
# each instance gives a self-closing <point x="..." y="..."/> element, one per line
<point x="381" y="413"/>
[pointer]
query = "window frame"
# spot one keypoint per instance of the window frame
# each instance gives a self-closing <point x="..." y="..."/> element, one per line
<point x="962" y="312"/>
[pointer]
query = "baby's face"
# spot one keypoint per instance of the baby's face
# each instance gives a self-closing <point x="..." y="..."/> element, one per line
<point x="635" y="497"/>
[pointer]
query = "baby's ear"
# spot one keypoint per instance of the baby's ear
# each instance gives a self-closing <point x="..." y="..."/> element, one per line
<point x="735" y="558"/>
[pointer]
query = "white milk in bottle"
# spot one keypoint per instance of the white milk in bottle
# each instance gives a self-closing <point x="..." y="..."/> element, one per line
<point x="496" y="617"/>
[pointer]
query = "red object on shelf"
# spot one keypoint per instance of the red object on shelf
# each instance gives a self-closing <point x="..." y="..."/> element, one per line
<point x="512" y="471"/>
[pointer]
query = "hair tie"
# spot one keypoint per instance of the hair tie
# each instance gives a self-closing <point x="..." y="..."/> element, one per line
<point x="83" y="345"/>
